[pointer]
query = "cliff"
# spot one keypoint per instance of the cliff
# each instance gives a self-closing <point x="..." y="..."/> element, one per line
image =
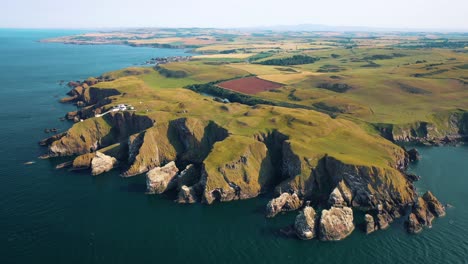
<point x="440" y="128"/>
<point x="210" y="151"/>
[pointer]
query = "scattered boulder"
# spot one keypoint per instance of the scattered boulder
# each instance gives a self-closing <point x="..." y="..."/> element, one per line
<point x="102" y="163"/>
<point x="161" y="179"/>
<point x="304" y="225"/>
<point x="285" y="202"/>
<point x="370" y="224"/>
<point x="336" y="224"/>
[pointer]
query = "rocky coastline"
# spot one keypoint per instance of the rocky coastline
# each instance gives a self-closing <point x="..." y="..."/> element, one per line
<point x="326" y="194"/>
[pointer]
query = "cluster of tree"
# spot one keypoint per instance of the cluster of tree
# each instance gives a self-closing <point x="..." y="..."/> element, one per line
<point x="261" y="55"/>
<point x="335" y="87"/>
<point x="170" y="73"/>
<point x="384" y="56"/>
<point x="294" y="60"/>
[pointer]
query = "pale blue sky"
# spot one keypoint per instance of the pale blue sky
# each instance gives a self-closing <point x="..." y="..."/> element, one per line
<point x="443" y="14"/>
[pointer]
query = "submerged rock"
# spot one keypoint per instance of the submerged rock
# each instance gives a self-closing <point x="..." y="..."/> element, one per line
<point x="161" y="179"/>
<point x="336" y="224"/>
<point x="370" y="224"/>
<point x="285" y="202"/>
<point x="305" y="223"/>
<point x="102" y="163"/>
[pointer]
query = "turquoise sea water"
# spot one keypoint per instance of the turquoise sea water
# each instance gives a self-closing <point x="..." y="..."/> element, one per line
<point x="54" y="216"/>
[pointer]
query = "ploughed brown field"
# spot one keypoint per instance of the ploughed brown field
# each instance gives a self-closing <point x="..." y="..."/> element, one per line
<point x="249" y="85"/>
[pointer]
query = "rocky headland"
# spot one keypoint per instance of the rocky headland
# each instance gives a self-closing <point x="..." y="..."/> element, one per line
<point x="207" y="151"/>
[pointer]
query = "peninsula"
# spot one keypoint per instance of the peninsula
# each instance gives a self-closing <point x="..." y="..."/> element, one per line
<point x="314" y="119"/>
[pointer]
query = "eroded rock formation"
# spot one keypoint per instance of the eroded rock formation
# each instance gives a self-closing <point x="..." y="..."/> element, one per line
<point x="336" y="223"/>
<point x="305" y="224"/>
<point x="285" y="202"/>
<point x="162" y="179"/>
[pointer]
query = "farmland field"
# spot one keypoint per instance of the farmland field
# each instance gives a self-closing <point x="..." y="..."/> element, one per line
<point x="249" y="85"/>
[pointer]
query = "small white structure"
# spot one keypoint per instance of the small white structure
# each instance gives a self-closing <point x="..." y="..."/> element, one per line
<point x="117" y="108"/>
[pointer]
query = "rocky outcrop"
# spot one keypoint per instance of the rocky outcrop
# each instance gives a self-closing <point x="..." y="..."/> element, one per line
<point x="189" y="176"/>
<point x="96" y="133"/>
<point x="336" y="198"/>
<point x="149" y="149"/>
<point x="285" y="202"/>
<point x="336" y="224"/>
<point x="441" y="128"/>
<point x="83" y="161"/>
<point x="162" y="179"/>
<point x="102" y="163"/>
<point x="413" y="225"/>
<point x="423" y="213"/>
<point x="370" y="225"/>
<point x="188" y="194"/>
<point x="88" y="95"/>
<point x="52" y="139"/>
<point x="413" y="155"/>
<point x="305" y="224"/>
<point x="242" y="174"/>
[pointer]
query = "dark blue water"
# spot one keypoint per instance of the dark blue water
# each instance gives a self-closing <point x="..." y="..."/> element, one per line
<point x="53" y="216"/>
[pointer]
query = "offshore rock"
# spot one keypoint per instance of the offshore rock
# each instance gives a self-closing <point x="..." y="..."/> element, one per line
<point x="413" y="225"/>
<point x="336" y="224"/>
<point x="384" y="219"/>
<point x="305" y="223"/>
<point x="187" y="194"/>
<point x="285" y="202"/>
<point x="161" y="179"/>
<point x="370" y="223"/>
<point x="434" y="205"/>
<point x="102" y="163"/>
<point x="413" y="155"/>
<point x="423" y="213"/>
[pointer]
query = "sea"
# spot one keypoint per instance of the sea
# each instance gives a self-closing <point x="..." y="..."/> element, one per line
<point x="56" y="216"/>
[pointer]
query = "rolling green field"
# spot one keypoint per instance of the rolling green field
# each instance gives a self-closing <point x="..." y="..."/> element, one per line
<point x="343" y="96"/>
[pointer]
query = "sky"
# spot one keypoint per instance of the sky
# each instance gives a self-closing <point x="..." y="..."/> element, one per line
<point x="403" y="14"/>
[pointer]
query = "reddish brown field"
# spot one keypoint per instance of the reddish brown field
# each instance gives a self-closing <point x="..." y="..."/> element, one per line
<point x="249" y="85"/>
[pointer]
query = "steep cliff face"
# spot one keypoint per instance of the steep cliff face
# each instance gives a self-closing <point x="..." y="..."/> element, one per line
<point x="194" y="138"/>
<point x="89" y="95"/>
<point x="364" y="187"/>
<point x="96" y="133"/>
<point x="237" y="168"/>
<point x="149" y="149"/>
<point x="440" y="128"/>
